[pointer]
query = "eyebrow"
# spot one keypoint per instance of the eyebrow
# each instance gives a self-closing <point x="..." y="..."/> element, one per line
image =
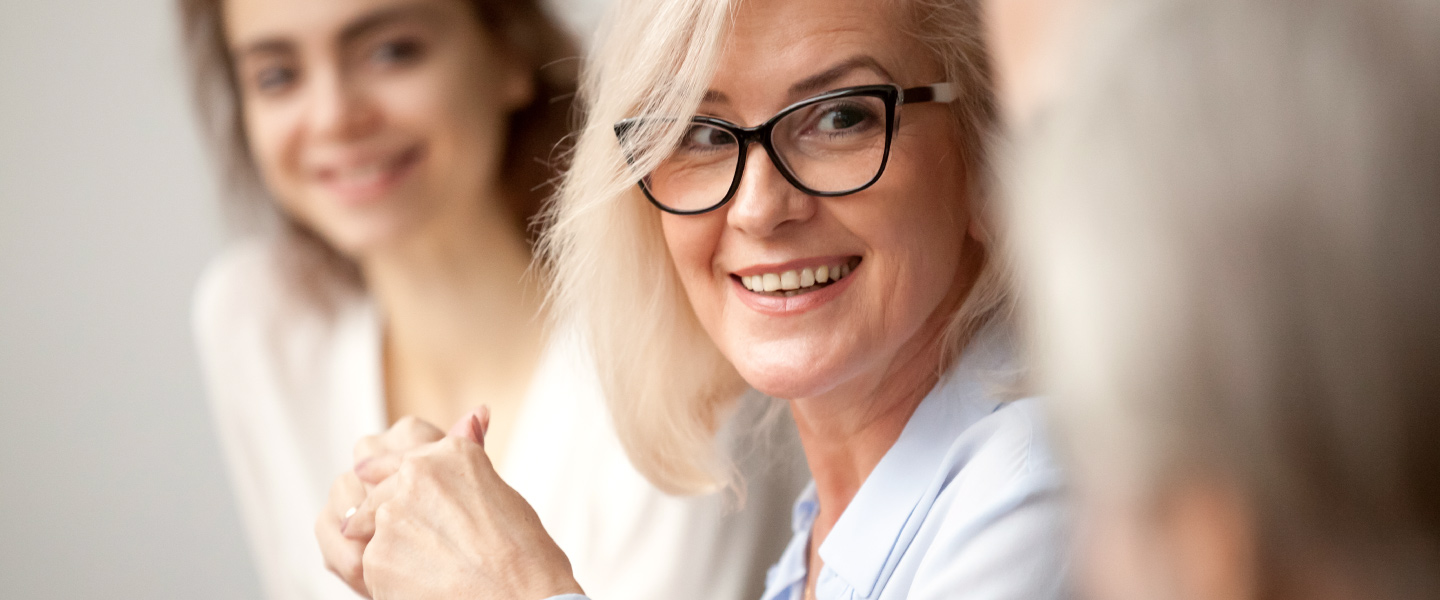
<point x="819" y="81"/>
<point x="354" y="30"/>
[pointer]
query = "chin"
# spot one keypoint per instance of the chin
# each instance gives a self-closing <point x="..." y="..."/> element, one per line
<point x="790" y="369"/>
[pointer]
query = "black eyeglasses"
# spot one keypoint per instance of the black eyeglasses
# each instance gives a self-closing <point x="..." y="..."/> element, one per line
<point x="834" y="144"/>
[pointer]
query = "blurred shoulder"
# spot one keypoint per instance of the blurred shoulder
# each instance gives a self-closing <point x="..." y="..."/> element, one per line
<point x="243" y="282"/>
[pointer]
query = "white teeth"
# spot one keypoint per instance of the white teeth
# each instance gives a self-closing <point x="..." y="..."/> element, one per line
<point x="789" y="280"/>
<point x="795" y="282"/>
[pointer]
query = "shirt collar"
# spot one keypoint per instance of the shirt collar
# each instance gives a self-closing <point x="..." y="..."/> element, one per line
<point x="895" y="498"/>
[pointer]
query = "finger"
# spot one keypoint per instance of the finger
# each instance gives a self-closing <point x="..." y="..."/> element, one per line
<point x="345" y="493"/>
<point x="473" y="426"/>
<point x="367" y="447"/>
<point x="379" y="467"/>
<point x="343" y="556"/>
<point x="411" y="432"/>
<point x="361" y="525"/>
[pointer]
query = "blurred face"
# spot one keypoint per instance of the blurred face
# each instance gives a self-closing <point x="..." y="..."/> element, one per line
<point x="897" y="245"/>
<point x="1029" y="40"/>
<point x="371" y="120"/>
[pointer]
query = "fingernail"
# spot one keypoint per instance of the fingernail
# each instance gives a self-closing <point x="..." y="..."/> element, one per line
<point x="361" y="465"/>
<point x="346" y="519"/>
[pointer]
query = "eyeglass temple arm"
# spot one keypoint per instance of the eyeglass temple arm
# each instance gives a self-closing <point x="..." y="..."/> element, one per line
<point x="935" y="92"/>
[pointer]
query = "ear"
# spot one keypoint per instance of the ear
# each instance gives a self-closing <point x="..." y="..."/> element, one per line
<point x="1209" y="529"/>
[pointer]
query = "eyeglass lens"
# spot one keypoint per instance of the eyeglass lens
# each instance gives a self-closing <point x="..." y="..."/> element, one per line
<point x="831" y="146"/>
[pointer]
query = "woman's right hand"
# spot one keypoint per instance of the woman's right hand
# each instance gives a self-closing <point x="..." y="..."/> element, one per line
<point x="376" y="457"/>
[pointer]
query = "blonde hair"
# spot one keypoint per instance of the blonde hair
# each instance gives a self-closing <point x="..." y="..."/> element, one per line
<point x="667" y="383"/>
<point x="1231" y="233"/>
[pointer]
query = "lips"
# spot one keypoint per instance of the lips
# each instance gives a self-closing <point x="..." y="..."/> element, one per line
<point x="361" y="179"/>
<point x="795" y="287"/>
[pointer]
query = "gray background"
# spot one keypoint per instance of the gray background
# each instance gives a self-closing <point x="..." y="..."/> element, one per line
<point x="111" y="484"/>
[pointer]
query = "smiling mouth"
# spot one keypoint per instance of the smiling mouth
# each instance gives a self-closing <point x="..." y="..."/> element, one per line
<point x="370" y="174"/>
<point x="798" y="281"/>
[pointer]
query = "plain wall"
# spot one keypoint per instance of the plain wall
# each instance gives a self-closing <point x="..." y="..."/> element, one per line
<point x="111" y="482"/>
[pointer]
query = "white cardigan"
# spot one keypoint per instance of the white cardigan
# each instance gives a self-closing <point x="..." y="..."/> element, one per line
<point x="292" y="390"/>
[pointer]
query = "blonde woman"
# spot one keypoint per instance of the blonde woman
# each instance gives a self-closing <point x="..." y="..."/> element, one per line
<point x="1230" y="225"/>
<point x="806" y="223"/>
<point x="400" y="149"/>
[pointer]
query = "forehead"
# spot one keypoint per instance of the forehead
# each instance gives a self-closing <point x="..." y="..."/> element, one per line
<point x="777" y="42"/>
<point x="248" y="21"/>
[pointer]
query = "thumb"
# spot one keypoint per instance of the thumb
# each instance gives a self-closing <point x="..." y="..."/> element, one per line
<point x="473" y="425"/>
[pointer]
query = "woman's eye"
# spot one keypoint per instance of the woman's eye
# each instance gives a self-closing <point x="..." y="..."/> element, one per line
<point x="271" y="80"/>
<point x="707" y="137"/>
<point x="397" y="52"/>
<point x="842" y="117"/>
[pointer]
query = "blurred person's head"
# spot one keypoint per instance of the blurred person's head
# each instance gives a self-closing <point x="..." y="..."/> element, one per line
<point x="845" y="267"/>
<point x="367" y="125"/>
<point x="1230" y="233"/>
<point x="1031" y="44"/>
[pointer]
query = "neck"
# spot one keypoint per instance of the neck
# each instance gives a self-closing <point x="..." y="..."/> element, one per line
<point x="846" y="431"/>
<point x="461" y="315"/>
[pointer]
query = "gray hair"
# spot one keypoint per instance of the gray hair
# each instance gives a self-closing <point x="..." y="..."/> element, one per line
<point x="1230" y="235"/>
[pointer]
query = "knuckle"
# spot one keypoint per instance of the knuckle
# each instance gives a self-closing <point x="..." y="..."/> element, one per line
<point x="408" y="425"/>
<point x="367" y="446"/>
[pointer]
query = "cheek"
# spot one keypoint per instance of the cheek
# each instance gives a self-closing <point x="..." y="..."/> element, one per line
<point x="273" y="133"/>
<point x="692" y="241"/>
<point x="920" y="221"/>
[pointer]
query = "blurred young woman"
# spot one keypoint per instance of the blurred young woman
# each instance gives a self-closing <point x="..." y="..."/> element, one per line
<point x="394" y="152"/>
<point x="1229" y="222"/>
<point x="808" y="223"/>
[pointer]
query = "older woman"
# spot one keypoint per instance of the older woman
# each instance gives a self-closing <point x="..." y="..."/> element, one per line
<point x="1230" y="226"/>
<point x="806" y="223"/>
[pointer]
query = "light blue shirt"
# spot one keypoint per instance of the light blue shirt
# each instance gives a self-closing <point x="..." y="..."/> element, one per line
<point x="966" y="505"/>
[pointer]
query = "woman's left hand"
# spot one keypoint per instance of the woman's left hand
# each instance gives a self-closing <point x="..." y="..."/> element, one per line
<point x="446" y="526"/>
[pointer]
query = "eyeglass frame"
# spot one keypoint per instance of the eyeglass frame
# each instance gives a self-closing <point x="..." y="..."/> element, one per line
<point x="893" y="95"/>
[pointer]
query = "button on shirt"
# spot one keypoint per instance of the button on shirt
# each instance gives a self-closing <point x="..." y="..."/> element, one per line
<point x="966" y="505"/>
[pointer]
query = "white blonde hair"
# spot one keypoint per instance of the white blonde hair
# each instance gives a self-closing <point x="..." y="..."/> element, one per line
<point x="1230" y="230"/>
<point x="668" y="385"/>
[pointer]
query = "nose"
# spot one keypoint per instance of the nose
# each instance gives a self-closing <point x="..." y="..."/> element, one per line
<point x="766" y="202"/>
<point x="340" y="109"/>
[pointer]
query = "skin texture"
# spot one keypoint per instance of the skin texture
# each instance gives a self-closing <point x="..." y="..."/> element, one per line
<point x="368" y="126"/>
<point x="855" y="367"/>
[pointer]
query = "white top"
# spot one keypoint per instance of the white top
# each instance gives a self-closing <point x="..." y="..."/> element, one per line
<point x="966" y="505"/>
<point x="292" y="390"/>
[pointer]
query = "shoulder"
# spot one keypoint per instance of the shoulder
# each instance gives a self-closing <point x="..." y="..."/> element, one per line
<point x="1000" y="526"/>
<point x="1005" y="452"/>
<point x="253" y="331"/>
<point x="236" y="287"/>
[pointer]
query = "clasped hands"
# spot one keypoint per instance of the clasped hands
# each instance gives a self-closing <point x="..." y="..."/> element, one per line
<point x="424" y="515"/>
